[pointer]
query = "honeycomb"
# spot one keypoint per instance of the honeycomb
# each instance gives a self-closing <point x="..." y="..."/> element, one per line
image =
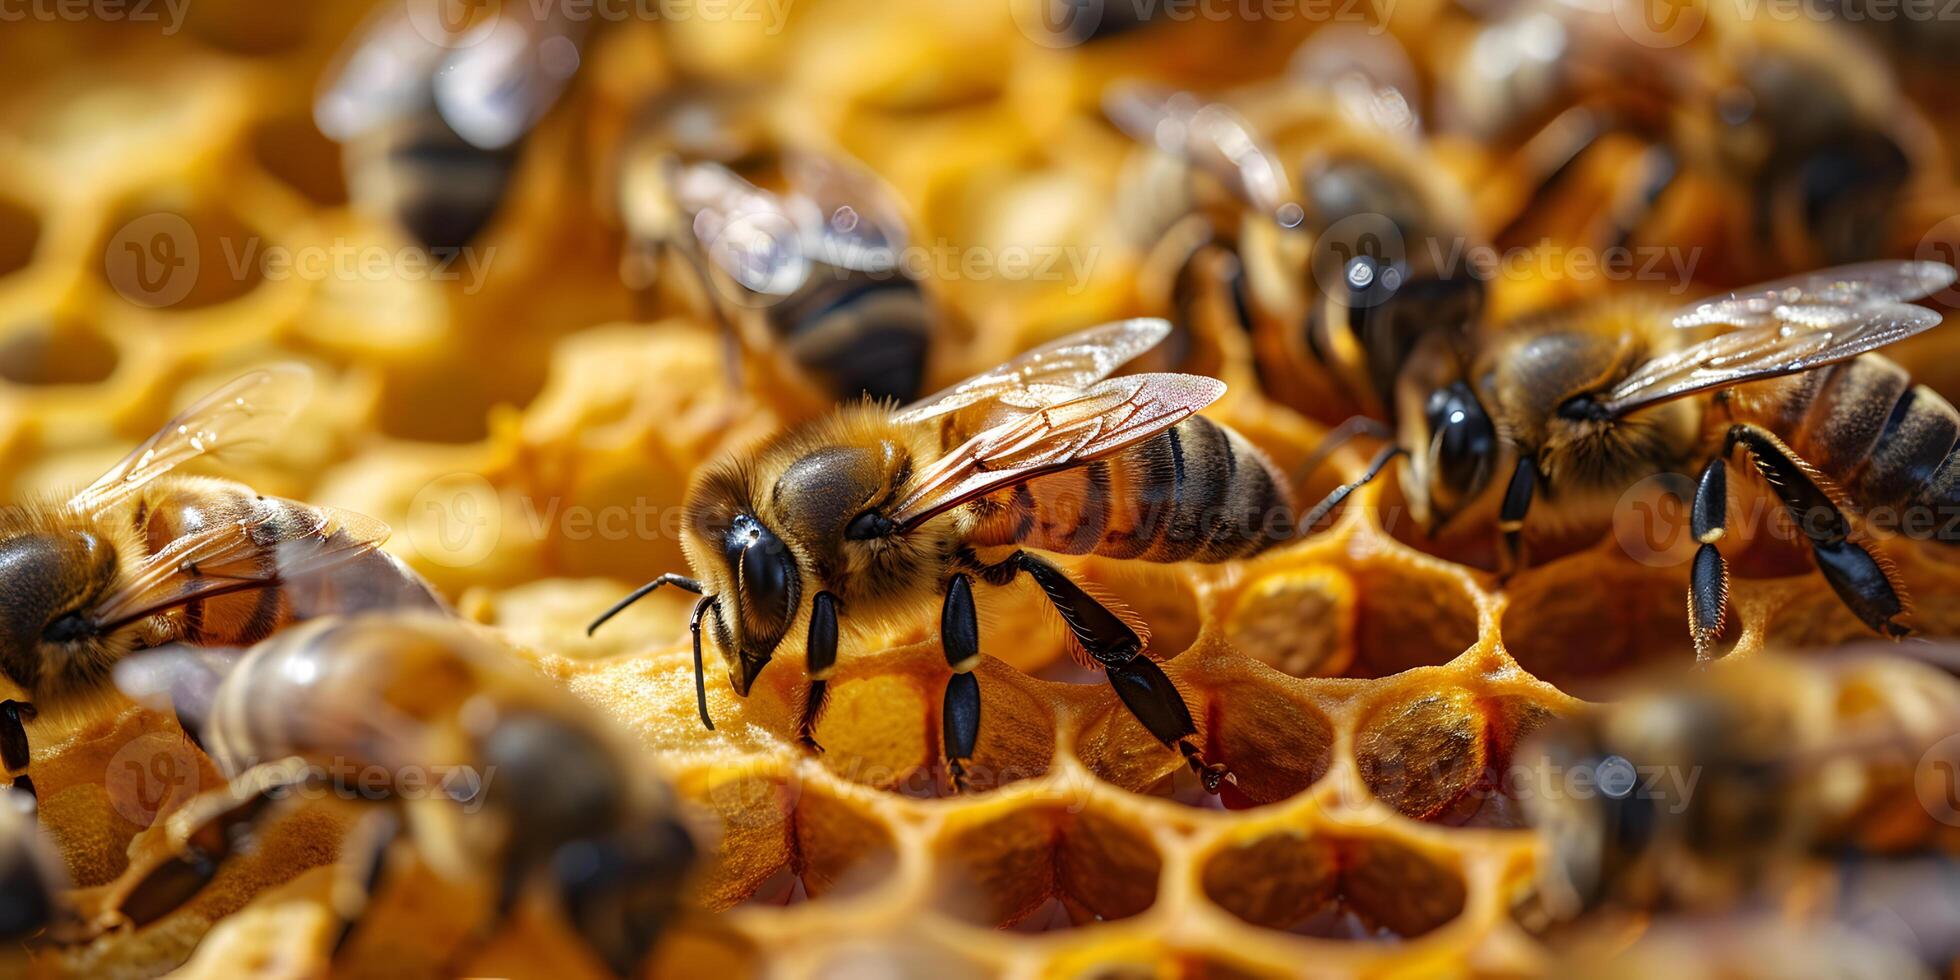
<point x="529" y="434"/>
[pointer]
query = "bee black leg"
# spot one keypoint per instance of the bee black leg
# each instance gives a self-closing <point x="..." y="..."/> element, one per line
<point x="820" y="656"/>
<point x="13" y="742"/>
<point x="224" y="821"/>
<point x="1510" y="518"/>
<point x="1139" y="682"/>
<point x="1864" y="583"/>
<point x="362" y="869"/>
<point x="1708" y="581"/>
<point x="959" y="636"/>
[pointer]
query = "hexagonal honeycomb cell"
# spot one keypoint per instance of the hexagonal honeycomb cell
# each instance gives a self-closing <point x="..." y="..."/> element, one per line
<point x="530" y="435"/>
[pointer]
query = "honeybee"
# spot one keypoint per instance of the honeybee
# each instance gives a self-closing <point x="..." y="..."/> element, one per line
<point x="141" y="558"/>
<point x="32" y="881"/>
<point x="1708" y="792"/>
<point x="1804" y="139"/>
<point x="489" y="771"/>
<point x="1575" y="406"/>
<point x="870" y="514"/>
<point x="808" y="284"/>
<point x="432" y="115"/>
<point x="1335" y="281"/>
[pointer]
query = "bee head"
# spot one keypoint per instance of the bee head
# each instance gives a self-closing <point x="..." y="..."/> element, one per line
<point x="1453" y="452"/>
<point x="49" y="576"/>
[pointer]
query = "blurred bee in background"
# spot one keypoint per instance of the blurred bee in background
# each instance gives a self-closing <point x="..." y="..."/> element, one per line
<point x="1714" y="793"/>
<point x="1804" y="144"/>
<point x="533" y="789"/>
<point x="1335" y="283"/>
<point x="872" y="515"/>
<point x="808" y="283"/>
<point x="141" y="558"/>
<point x="432" y="115"/>
<point x="1571" y="408"/>
<point x="32" y="886"/>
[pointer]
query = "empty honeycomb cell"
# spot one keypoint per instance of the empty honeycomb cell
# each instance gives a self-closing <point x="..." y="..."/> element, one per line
<point x="1394" y="887"/>
<point x="840" y="851"/>
<point x="178" y="258"/>
<point x="1278" y="881"/>
<point x="20" y="232"/>
<point x="56" y="351"/>
<point x="1299" y="620"/>
<point x="1424" y="750"/>
<point x="752" y="810"/>
<point x="995" y="868"/>
<point x="1628" y="617"/>
<point x="1275" y="742"/>
<point x="294" y="150"/>
<point x="874" y="730"/>
<point x="1109" y="868"/>
<point x="1411" y="614"/>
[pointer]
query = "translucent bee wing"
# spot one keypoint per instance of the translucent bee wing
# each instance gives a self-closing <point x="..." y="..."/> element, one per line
<point x="494" y="89"/>
<point x="852" y="219"/>
<point x="1062" y="427"/>
<point x="748" y="233"/>
<point x="1369" y="75"/>
<point x="260" y="552"/>
<point x="1799" y="296"/>
<point x="252" y="410"/>
<point x="1208" y="136"/>
<point x="383" y="74"/>
<point x="1075" y="361"/>
<point x="1798" y="339"/>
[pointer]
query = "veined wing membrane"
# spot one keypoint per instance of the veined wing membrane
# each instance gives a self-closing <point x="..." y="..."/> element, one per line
<point x="1084" y="426"/>
<point x="1801" y="338"/>
<point x="251" y="410"/>
<point x="239" y="556"/>
<point x="1847" y="286"/>
<point x="1075" y="361"/>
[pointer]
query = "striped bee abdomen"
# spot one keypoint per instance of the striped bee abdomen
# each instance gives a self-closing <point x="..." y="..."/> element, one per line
<point x="1196" y="492"/>
<point x="284" y="531"/>
<point x="864" y="334"/>
<point x="1890" y="444"/>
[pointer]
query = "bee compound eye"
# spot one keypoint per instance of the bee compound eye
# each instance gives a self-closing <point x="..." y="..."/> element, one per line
<point x="1464" y="437"/>
<point x="768" y="576"/>
<point x="869" y="525"/>
<point x="66" y="628"/>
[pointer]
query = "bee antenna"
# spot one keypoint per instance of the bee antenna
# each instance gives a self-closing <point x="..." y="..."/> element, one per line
<point x="1333" y="500"/>
<point x="1338" y="436"/>
<point x="636" y="595"/>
